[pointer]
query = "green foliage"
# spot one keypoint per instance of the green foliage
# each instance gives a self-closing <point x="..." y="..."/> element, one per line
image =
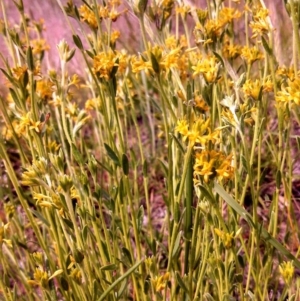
<point x="143" y="176"/>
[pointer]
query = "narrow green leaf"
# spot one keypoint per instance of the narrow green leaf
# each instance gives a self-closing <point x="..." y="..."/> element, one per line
<point x="278" y="179"/>
<point x="90" y="54"/>
<point x="181" y="283"/>
<point x="29" y="57"/>
<point x="127" y="255"/>
<point x="119" y="280"/>
<point x="218" y="56"/>
<point x="122" y="288"/>
<point x="85" y="233"/>
<point x="140" y="218"/>
<point x="177" y="212"/>
<point x="40" y="217"/>
<point x="109" y="267"/>
<point x="77" y="42"/>
<point x="154" y="63"/>
<point x="178" y="143"/>
<point x="266" y="236"/>
<point x="68" y="223"/>
<point x="145" y="169"/>
<point x="266" y="46"/>
<point x="71" y="54"/>
<point x="147" y="285"/>
<point x="8" y="76"/>
<point x="125" y="164"/>
<point x="164" y="167"/>
<point x="77" y="155"/>
<point x="176" y="244"/>
<point x="207" y="194"/>
<point x="112" y="154"/>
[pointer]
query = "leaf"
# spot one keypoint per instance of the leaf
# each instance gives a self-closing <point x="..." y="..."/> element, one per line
<point x="178" y="143"/>
<point x="266" y="236"/>
<point x="119" y="280"/>
<point x="140" y="218"/>
<point x="207" y="194"/>
<point x="112" y="154"/>
<point x="77" y="155"/>
<point x="109" y="267"/>
<point x="266" y="46"/>
<point x="176" y="244"/>
<point x="29" y="57"/>
<point x="77" y="42"/>
<point x="68" y="223"/>
<point x="125" y="164"/>
<point x="217" y="55"/>
<point x="39" y="216"/>
<point x="181" y="283"/>
<point x="122" y="289"/>
<point x="154" y="63"/>
<point x="127" y="254"/>
<point x="145" y="169"/>
<point x="85" y="233"/>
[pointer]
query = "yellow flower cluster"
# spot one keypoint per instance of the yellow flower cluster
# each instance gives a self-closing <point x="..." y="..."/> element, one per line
<point x="289" y="94"/>
<point x="251" y="54"/>
<point x="227" y="238"/>
<point x="107" y="64"/>
<point x="209" y="164"/>
<point x="287" y="271"/>
<point x="159" y="283"/>
<point x="260" y="25"/>
<point x="161" y="61"/>
<point x="255" y="88"/>
<point x="108" y="11"/>
<point x="212" y="164"/>
<point x="199" y="133"/>
<point x="213" y="28"/>
<point x="209" y="68"/>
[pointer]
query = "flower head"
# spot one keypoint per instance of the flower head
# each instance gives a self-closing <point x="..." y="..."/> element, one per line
<point x="287" y="271"/>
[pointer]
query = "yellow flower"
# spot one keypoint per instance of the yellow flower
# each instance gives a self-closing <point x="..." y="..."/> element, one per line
<point x="252" y="88"/>
<point x="76" y="275"/>
<point x="182" y="128"/>
<point x="287" y="73"/>
<point x="44" y="89"/>
<point x="251" y="54"/>
<point x="170" y="60"/>
<point x="39" y="46"/>
<point x="104" y="63"/>
<point x="88" y="16"/>
<point x="19" y="72"/>
<point x="159" y="283"/>
<point x="40" y="278"/>
<point x="228" y="14"/>
<point x="260" y="25"/>
<point x="209" y="68"/>
<point x="114" y="36"/>
<point x="138" y="65"/>
<point x="200" y="103"/>
<point x="171" y="42"/>
<point x="231" y="51"/>
<point x="287" y="271"/>
<point x="227" y="238"/>
<point x="289" y="94"/>
<point x="225" y="169"/>
<point x="210" y="164"/>
<point x="9" y="209"/>
<point x="183" y="10"/>
<point x="3" y="231"/>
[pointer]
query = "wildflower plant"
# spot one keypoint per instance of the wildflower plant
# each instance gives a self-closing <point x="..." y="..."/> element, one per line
<point x="193" y="123"/>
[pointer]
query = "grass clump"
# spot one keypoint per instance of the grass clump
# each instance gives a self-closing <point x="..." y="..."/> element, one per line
<point x="167" y="173"/>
